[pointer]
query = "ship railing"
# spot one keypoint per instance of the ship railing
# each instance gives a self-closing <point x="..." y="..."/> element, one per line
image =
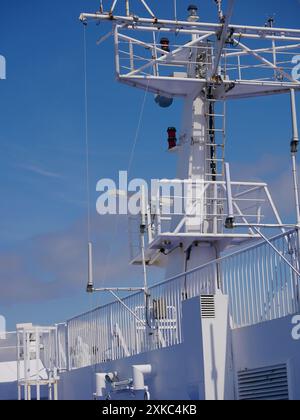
<point x="182" y="207"/>
<point x="251" y="60"/>
<point x="261" y="287"/>
<point x="52" y="348"/>
<point x="61" y="347"/>
<point x="260" y="284"/>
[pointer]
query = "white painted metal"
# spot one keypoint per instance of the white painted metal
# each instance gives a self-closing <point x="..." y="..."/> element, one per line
<point x="222" y="38"/>
<point x="187" y="211"/>
<point x="260" y="286"/>
<point x="253" y="285"/>
<point x="139" y="373"/>
<point x="294" y="149"/>
<point x="230" y="212"/>
<point x="37" y="361"/>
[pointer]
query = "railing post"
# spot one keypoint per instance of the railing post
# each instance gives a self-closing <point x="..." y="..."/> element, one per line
<point x="158" y="213"/>
<point x="297" y="261"/>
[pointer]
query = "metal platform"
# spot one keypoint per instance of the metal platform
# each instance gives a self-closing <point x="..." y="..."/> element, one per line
<point x="182" y="87"/>
<point x="169" y="241"/>
<point x="186" y="212"/>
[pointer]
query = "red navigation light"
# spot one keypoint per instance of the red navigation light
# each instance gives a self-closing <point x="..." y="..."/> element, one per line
<point x="172" y="139"/>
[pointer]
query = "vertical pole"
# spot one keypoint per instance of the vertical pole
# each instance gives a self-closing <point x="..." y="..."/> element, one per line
<point x="150" y="235"/>
<point x="158" y="212"/>
<point x="175" y="10"/>
<point x="270" y="24"/>
<point x="127" y="7"/>
<point x="50" y="392"/>
<point x="155" y="67"/>
<point x="55" y="391"/>
<point x="25" y="352"/>
<point x="117" y="58"/>
<point x="294" y="149"/>
<point x="143" y="229"/>
<point x="215" y="208"/>
<point x="274" y="58"/>
<point x="131" y="56"/>
<point x="18" y="366"/>
<point x="90" y="286"/>
<point x="37" y="343"/>
<point x="68" y="355"/>
<point x="230" y="216"/>
<point x="239" y="67"/>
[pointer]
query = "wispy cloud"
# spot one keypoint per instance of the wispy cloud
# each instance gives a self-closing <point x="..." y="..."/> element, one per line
<point x="40" y="171"/>
<point x="54" y="266"/>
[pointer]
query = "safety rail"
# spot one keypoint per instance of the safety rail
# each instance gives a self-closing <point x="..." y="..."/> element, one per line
<point x="259" y="283"/>
<point x="153" y="54"/>
<point x="183" y="207"/>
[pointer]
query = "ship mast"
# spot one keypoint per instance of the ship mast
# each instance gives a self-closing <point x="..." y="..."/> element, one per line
<point x="207" y="71"/>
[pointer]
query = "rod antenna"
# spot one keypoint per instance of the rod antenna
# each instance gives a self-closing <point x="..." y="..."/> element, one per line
<point x="90" y="285"/>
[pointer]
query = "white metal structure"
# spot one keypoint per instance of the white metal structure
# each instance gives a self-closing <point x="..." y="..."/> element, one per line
<point x="218" y="326"/>
<point x="37" y="361"/>
<point x="209" y="64"/>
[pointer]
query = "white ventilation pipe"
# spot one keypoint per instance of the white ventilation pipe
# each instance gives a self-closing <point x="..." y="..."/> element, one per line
<point x="139" y="372"/>
<point x="101" y="379"/>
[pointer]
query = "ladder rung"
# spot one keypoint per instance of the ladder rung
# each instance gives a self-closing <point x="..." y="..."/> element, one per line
<point x="216" y="130"/>
<point x="215" y="160"/>
<point x="215" y="115"/>
<point x="215" y="145"/>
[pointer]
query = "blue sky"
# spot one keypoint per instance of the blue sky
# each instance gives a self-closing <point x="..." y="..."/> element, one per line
<point x="42" y="152"/>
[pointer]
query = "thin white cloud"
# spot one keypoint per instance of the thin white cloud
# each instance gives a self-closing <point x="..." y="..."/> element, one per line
<point x="40" y="171"/>
<point x="54" y="266"/>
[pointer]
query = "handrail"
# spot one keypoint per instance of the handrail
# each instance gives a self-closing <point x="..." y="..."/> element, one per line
<point x="260" y="286"/>
<point x="187" y="273"/>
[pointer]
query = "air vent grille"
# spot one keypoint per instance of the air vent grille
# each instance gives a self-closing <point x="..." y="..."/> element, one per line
<point x="269" y="383"/>
<point x="208" y="309"/>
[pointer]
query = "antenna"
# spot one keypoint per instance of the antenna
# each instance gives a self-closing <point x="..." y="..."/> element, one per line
<point x="220" y="10"/>
<point x="270" y="24"/>
<point x="90" y="285"/>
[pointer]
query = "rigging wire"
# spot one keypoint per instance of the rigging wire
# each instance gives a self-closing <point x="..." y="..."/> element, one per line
<point x="87" y="162"/>
<point x="138" y="129"/>
<point x="87" y="150"/>
<point x="87" y="147"/>
<point x="130" y="163"/>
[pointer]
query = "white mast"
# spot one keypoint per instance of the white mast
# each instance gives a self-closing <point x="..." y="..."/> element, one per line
<point x="205" y="71"/>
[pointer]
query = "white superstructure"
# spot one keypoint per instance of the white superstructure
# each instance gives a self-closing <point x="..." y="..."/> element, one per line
<point x="220" y="325"/>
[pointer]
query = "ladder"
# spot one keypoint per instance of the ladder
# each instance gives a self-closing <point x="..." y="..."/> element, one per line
<point x="216" y="138"/>
<point x="215" y="159"/>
